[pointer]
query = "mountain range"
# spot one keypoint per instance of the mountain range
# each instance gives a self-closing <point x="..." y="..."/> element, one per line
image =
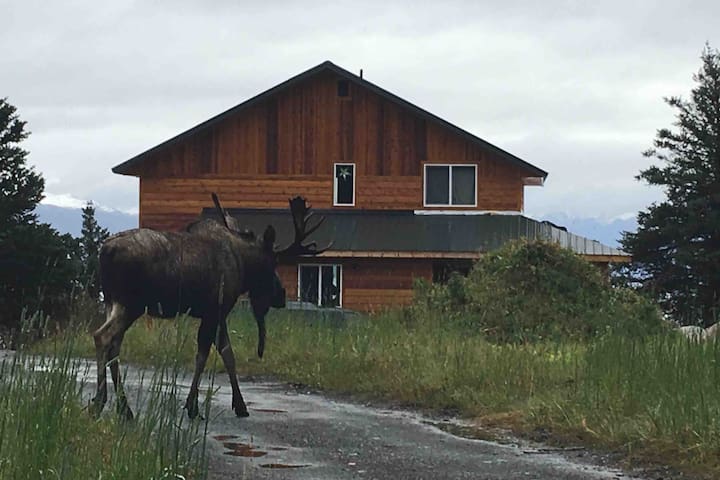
<point x="69" y="220"/>
<point x="607" y="232"/>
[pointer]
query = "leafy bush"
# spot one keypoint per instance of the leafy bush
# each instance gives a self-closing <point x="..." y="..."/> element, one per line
<point x="529" y="290"/>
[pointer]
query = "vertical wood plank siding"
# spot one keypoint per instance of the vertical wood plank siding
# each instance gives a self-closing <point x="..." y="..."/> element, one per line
<point x="287" y="145"/>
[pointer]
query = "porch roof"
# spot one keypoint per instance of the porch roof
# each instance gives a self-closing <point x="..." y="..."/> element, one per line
<point x="373" y="232"/>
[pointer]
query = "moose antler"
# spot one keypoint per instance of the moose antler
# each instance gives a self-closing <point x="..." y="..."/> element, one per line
<point x="299" y="210"/>
<point x="223" y="214"/>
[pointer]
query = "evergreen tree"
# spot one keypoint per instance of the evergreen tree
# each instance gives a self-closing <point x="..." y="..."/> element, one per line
<point x="38" y="267"/>
<point x="21" y="188"/>
<point x="91" y="239"/>
<point x="676" y="249"/>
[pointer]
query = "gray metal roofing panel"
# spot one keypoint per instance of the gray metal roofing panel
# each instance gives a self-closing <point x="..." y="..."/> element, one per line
<point x="403" y="231"/>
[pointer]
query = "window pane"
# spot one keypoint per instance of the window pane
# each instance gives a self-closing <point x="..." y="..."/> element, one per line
<point x="330" y="294"/>
<point x="437" y="188"/>
<point x="344" y="175"/>
<point x="463" y="183"/>
<point x="309" y="284"/>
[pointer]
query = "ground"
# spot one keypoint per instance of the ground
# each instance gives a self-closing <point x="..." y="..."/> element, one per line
<point x="293" y="433"/>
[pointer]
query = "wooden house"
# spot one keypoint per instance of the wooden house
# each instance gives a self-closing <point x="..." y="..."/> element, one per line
<point x="406" y="194"/>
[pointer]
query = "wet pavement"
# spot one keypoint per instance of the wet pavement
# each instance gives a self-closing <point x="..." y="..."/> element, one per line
<point x="295" y="434"/>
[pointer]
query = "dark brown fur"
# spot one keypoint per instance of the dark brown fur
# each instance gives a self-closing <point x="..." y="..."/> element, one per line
<point x="202" y="272"/>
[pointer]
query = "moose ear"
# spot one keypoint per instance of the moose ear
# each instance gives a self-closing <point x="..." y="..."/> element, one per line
<point x="269" y="238"/>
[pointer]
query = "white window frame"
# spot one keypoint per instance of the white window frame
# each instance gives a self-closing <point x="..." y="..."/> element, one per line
<point x="320" y="265"/>
<point x="450" y="169"/>
<point x="335" y="185"/>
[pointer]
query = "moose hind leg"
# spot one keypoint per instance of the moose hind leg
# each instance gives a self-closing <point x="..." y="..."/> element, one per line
<point x="122" y="407"/>
<point x="226" y="352"/>
<point x="117" y="321"/>
<point x="204" y="342"/>
<point x="101" y="354"/>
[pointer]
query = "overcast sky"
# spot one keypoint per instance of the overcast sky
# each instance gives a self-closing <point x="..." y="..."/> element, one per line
<point x="575" y="88"/>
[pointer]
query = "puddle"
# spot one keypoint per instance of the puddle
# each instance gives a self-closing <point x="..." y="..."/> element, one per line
<point x="268" y="410"/>
<point x="466" y="431"/>
<point x="282" y="465"/>
<point x="238" y="449"/>
<point x="242" y="450"/>
<point x="551" y="456"/>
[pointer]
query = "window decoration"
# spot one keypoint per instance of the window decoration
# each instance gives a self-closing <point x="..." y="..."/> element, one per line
<point x="344" y="184"/>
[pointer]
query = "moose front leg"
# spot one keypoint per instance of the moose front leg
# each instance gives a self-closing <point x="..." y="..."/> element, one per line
<point x="223" y="346"/>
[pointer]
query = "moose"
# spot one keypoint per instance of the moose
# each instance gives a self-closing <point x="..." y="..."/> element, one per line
<point x="200" y="271"/>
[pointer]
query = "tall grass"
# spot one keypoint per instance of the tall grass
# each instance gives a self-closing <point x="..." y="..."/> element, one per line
<point x="427" y="364"/>
<point x="661" y="391"/>
<point x="655" y="395"/>
<point x="47" y="432"/>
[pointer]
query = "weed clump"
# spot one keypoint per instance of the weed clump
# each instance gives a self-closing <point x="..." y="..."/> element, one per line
<point x="534" y="290"/>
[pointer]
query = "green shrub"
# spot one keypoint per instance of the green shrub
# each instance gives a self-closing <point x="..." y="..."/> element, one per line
<point x="530" y="290"/>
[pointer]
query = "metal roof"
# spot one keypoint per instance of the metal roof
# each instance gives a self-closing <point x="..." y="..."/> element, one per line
<point x="329" y="66"/>
<point x="403" y="231"/>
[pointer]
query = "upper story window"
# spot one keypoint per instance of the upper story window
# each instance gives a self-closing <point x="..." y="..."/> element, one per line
<point x="344" y="184"/>
<point x="450" y="185"/>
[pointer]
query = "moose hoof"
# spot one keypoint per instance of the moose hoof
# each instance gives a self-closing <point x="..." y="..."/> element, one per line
<point x="240" y="410"/>
<point x="124" y="411"/>
<point x="96" y="407"/>
<point x="192" y="409"/>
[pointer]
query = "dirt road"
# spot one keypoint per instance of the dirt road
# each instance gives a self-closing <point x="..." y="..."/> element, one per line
<point x="308" y="436"/>
<point x="295" y="434"/>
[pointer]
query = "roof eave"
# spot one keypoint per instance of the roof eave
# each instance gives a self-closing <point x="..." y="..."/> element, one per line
<point x="534" y="181"/>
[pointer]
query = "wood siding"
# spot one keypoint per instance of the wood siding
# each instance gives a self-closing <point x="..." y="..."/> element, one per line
<point x="368" y="285"/>
<point x="287" y="144"/>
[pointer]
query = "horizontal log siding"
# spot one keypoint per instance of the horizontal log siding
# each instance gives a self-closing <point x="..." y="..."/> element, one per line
<point x="369" y="285"/>
<point x="175" y="200"/>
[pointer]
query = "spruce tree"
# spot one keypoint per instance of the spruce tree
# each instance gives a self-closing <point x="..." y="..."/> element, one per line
<point x="91" y="239"/>
<point x="38" y="267"/>
<point x="21" y="188"/>
<point x="676" y="249"/>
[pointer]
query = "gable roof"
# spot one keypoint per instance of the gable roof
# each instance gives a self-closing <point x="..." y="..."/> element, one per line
<point x="534" y="171"/>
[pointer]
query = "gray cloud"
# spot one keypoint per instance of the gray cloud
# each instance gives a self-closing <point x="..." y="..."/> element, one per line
<point x="575" y="88"/>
